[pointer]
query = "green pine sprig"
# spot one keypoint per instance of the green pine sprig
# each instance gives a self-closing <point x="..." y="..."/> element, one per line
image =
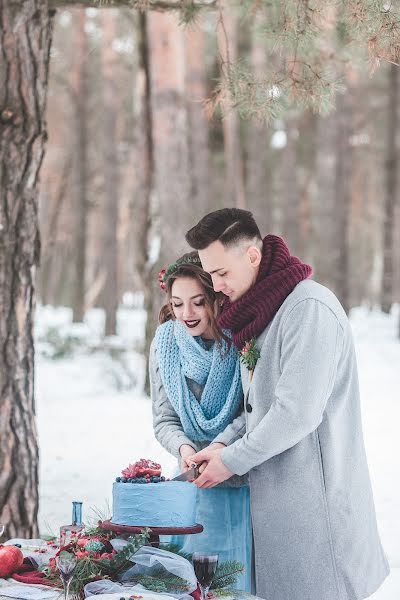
<point x="175" y="549"/>
<point x="121" y="560"/>
<point x="226" y="575"/>
<point x="189" y="12"/>
<point x="162" y="581"/>
<point x="250" y="354"/>
<point x="86" y="570"/>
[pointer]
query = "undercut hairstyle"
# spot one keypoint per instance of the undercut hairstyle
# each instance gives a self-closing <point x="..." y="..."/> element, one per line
<point x="230" y="226"/>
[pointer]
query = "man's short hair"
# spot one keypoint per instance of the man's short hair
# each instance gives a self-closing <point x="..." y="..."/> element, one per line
<point x="229" y="225"/>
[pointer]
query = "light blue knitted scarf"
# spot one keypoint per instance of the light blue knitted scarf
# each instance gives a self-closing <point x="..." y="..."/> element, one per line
<point x="181" y="355"/>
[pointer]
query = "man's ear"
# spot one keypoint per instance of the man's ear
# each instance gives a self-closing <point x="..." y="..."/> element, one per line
<point x="254" y="255"/>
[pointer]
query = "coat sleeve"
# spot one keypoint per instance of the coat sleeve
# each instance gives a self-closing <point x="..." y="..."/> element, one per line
<point x="311" y="343"/>
<point x="233" y="432"/>
<point x="166" y="423"/>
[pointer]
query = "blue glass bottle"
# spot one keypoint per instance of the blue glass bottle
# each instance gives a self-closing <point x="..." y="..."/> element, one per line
<point x="68" y="532"/>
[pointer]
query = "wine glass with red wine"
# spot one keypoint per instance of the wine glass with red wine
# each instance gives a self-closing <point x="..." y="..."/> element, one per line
<point x="205" y="566"/>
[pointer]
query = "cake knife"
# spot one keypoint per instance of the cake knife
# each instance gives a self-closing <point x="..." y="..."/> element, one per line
<point x="188" y="475"/>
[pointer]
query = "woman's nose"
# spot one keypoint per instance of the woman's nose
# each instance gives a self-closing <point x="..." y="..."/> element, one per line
<point x="187" y="313"/>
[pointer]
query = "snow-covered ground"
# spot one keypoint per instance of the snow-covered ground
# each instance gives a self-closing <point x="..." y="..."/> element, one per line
<point x="93" y="419"/>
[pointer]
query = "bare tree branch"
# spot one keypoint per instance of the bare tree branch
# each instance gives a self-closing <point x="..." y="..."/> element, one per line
<point x="159" y="5"/>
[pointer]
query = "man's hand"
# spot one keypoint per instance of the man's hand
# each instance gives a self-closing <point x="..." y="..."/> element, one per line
<point x="189" y="460"/>
<point x="215" y="471"/>
<point x="213" y="446"/>
<point x="186" y="453"/>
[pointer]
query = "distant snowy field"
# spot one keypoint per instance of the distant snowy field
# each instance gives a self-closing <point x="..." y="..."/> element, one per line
<point x="93" y="418"/>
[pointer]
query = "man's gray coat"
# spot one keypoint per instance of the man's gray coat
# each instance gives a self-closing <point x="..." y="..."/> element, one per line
<point x="300" y="437"/>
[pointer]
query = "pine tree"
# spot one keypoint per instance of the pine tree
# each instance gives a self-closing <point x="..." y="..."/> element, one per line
<point x="25" y="38"/>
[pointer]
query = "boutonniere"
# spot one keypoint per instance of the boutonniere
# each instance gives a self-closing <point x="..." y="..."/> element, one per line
<point x="249" y="355"/>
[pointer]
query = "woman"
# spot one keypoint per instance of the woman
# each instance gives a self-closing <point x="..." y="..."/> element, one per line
<point x="196" y="392"/>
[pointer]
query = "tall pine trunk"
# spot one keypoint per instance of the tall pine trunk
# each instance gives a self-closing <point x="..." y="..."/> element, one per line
<point x="49" y="237"/>
<point x="25" y="38"/>
<point x="141" y="205"/>
<point x="198" y="129"/>
<point x="173" y="213"/>
<point x="391" y="189"/>
<point x="259" y="166"/>
<point x="307" y="157"/>
<point x="143" y="160"/>
<point x="344" y="159"/>
<point x="80" y="167"/>
<point x="334" y="166"/>
<point x="290" y="187"/>
<point x="234" y="194"/>
<point x="110" y="170"/>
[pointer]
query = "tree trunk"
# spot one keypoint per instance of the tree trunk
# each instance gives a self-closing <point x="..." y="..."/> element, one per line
<point x="110" y="170"/>
<point x="48" y="261"/>
<point x="343" y="198"/>
<point x="324" y="214"/>
<point x="290" y="190"/>
<point x="141" y="205"/>
<point x="306" y="173"/>
<point x="391" y="191"/>
<point x="172" y="209"/>
<point x="143" y="159"/>
<point x="170" y="132"/>
<point x="334" y="199"/>
<point x="25" y="38"/>
<point x="259" y="166"/>
<point x="234" y="177"/>
<point x="80" y="87"/>
<point x="198" y="129"/>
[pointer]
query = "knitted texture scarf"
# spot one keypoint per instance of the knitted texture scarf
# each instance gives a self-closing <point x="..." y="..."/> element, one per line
<point x="181" y="355"/>
<point x="279" y="274"/>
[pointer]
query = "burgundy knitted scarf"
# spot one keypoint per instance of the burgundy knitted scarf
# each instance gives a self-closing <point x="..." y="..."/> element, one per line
<point x="278" y="276"/>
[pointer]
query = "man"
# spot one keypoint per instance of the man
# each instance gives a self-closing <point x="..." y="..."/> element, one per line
<point x="300" y="435"/>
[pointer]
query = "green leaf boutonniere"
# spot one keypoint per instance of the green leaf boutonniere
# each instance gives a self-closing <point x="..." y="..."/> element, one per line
<point x="250" y="354"/>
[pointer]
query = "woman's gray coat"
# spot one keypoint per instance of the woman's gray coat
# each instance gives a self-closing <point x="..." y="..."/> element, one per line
<point x="300" y="438"/>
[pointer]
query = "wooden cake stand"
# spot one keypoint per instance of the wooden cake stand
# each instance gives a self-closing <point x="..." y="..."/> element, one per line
<point x="155" y="532"/>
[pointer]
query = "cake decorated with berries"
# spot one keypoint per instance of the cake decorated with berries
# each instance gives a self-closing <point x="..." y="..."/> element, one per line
<point x="142" y="496"/>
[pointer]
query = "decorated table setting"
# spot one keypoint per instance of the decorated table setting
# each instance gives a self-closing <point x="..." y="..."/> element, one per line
<point x="103" y="563"/>
<point x="114" y="561"/>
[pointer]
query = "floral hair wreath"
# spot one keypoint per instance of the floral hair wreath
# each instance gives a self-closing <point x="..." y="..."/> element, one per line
<point x="167" y="272"/>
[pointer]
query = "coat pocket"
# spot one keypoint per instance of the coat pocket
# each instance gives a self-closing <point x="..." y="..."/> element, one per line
<point x="326" y="508"/>
<point x="320" y="461"/>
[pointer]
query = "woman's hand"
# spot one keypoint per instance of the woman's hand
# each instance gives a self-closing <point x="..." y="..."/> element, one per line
<point x="186" y="452"/>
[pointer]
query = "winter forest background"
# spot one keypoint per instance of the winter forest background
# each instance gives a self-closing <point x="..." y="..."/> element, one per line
<point x="155" y="118"/>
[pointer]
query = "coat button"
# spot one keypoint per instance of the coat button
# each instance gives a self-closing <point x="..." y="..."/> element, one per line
<point x="249" y="407"/>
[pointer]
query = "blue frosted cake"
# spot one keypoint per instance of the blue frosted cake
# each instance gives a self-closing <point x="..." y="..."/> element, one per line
<point x="142" y="496"/>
